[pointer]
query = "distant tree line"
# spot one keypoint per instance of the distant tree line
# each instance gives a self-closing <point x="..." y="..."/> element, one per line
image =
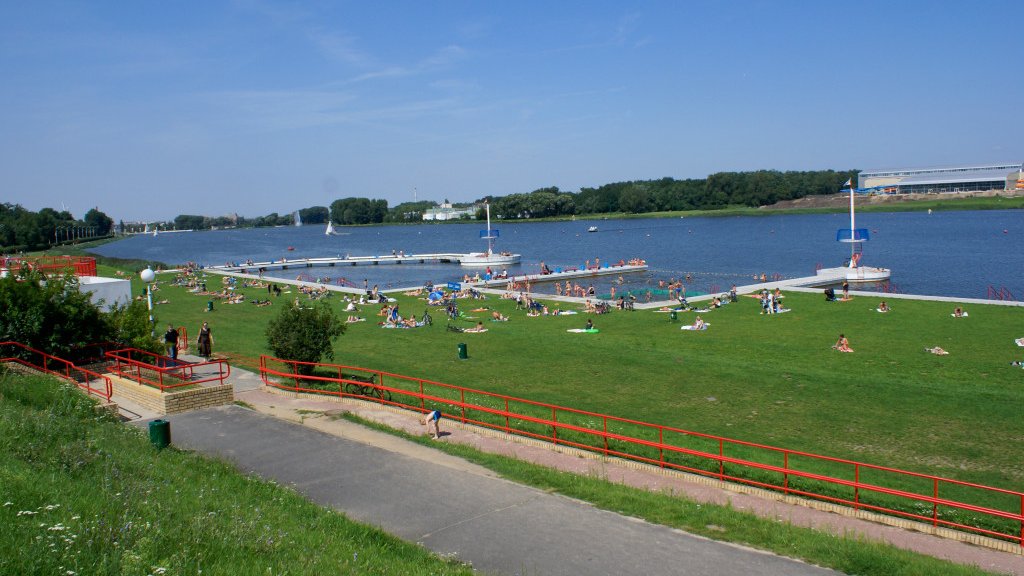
<point x="715" y="192"/>
<point x="23" y="230"/>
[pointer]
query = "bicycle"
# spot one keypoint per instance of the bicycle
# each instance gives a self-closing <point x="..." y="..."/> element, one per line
<point x="366" y="386"/>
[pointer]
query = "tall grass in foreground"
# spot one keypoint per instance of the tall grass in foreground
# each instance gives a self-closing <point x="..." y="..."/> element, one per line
<point x="848" y="554"/>
<point x="81" y="493"/>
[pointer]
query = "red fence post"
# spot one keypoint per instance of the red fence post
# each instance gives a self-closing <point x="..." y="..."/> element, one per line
<point x="661" y="446"/>
<point x="506" y="416"/>
<point x="554" y="428"/>
<point x="721" y="462"/>
<point x="935" y="505"/>
<point x="856" y="486"/>
<point x="605" y="418"/>
<point x="785" y="476"/>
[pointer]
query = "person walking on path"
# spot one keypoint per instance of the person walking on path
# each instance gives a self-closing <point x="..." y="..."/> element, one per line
<point x="205" y="341"/>
<point x="435" y="417"/>
<point x="171" y="342"/>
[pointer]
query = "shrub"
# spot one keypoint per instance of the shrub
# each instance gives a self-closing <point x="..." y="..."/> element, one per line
<point x="306" y="334"/>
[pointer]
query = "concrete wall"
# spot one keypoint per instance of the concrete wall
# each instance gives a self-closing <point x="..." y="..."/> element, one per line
<point x="172" y="402"/>
<point x="106" y="292"/>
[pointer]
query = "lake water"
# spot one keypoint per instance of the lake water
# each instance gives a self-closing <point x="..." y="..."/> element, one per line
<point x="959" y="254"/>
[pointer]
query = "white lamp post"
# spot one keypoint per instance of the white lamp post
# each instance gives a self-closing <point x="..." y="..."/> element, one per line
<point x="148" y="276"/>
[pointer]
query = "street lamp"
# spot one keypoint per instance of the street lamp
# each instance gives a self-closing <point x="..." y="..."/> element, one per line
<point x="148" y="276"/>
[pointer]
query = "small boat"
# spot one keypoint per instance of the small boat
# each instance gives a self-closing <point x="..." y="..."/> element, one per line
<point x="488" y="258"/>
<point x="291" y="248"/>
<point x="592" y="229"/>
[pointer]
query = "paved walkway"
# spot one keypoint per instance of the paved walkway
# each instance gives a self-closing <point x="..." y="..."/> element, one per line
<point x="454" y="507"/>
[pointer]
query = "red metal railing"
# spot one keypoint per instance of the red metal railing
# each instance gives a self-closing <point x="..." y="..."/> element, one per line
<point x="941" y="502"/>
<point x="93" y="383"/>
<point x="182" y="339"/>
<point x="80" y="265"/>
<point x="163" y="372"/>
<point x="1001" y="293"/>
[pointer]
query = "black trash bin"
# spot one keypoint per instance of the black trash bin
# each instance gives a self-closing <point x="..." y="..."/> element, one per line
<point x="160" y="433"/>
<point x="463" y="353"/>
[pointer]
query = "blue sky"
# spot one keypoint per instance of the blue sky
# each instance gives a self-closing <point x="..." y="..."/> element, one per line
<point x="153" y="109"/>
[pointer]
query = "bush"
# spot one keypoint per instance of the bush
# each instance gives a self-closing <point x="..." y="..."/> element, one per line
<point x="304" y="334"/>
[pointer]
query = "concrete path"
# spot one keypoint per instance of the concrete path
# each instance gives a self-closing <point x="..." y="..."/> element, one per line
<point x="456" y="508"/>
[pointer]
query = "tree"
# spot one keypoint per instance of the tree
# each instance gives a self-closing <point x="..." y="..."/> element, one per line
<point x="54" y="316"/>
<point x="306" y="334"/>
<point x="99" y="220"/>
<point x="314" y="215"/>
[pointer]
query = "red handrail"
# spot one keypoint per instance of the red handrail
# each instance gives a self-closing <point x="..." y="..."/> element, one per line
<point x="66" y="369"/>
<point x="626" y="440"/>
<point x="152" y="369"/>
<point x="80" y="265"/>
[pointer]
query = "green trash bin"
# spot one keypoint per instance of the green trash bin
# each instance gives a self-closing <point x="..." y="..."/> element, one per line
<point x="463" y="354"/>
<point x="672" y="316"/>
<point x="160" y="433"/>
<point x="209" y="305"/>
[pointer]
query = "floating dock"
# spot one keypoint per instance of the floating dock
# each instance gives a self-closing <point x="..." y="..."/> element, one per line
<point x="518" y="281"/>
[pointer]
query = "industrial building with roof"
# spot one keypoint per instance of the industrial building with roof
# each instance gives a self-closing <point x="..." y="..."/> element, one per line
<point x="1007" y="177"/>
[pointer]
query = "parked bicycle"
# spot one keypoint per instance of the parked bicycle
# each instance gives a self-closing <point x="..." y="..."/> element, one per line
<point x="365" y="386"/>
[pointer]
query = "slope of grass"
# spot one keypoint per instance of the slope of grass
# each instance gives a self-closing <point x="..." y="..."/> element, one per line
<point x="84" y="494"/>
<point x="850" y="555"/>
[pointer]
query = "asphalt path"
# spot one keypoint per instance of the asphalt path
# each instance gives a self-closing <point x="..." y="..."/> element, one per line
<point x="456" y="508"/>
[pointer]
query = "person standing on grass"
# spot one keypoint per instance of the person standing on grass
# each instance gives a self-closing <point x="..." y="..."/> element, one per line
<point x="435" y="417"/>
<point x="171" y="342"/>
<point x="205" y="341"/>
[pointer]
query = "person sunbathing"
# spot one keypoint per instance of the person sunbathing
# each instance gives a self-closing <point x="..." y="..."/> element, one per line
<point x="958" y="312"/>
<point x="698" y="323"/>
<point x="498" y="317"/>
<point x="478" y="328"/>
<point x="937" y="351"/>
<point x="842" y="345"/>
<point x="883" y="307"/>
<point x="354" y="319"/>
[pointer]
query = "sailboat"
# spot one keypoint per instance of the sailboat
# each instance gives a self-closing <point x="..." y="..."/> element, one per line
<point x="852" y="270"/>
<point x="489" y="258"/>
<point x="330" y="225"/>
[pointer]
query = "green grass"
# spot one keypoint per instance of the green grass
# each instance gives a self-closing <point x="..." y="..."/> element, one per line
<point x="84" y="494"/>
<point x="851" y="555"/>
<point x="765" y="379"/>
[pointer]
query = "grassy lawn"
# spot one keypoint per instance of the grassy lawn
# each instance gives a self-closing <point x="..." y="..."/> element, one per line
<point x="767" y="379"/>
<point x="84" y="494"/>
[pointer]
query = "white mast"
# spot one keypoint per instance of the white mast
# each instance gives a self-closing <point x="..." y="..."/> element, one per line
<point x="853" y="229"/>
<point x="490" y="239"/>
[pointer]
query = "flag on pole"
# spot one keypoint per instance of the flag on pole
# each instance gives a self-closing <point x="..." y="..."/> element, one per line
<point x="849" y="182"/>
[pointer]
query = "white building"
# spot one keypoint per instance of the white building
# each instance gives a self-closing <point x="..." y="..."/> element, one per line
<point x="446" y="212"/>
<point x="963" y="178"/>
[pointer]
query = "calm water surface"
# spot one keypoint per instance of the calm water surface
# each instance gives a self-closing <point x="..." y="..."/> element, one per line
<point x="944" y="253"/>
